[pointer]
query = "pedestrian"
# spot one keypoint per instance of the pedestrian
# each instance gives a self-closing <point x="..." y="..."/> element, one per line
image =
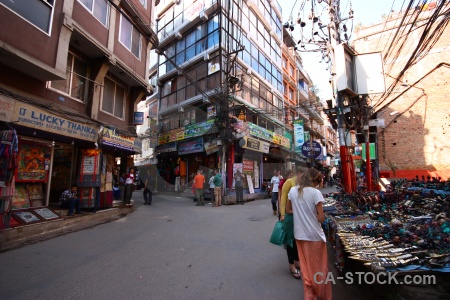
<point x="129" y="184"/>
<point x="239" y="186"/>
<point x="199" y="182"/>
<point x="211" y="187"/>
<point x="148" y="186"/>
<point x="69" y="199"/>
<point x="217" y="188"/>
<point x="116" y="189"/>
<point x="274" y="182"/>
<point x="288" y="224"/>
<point x="122" y="179"/>
<point x="305" y="203"/>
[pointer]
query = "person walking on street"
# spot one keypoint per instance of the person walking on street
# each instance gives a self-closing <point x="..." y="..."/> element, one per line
<point x="199" y="182"/>
<point x="211" y="187"/>
<point x="288" y="227"/>
<point x="274" y="182"/>
<point x="239" y="186"/>
<point x="129" y="184"/>
<point x="148" y="182"/>
<point x="217" y="188"/>
<point x="305" y="203"/>
<point x="69" y="198"/>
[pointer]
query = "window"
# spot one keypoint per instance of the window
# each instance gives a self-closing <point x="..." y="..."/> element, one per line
<point x="99" y="8"/>
<point x="113" y="98"/>
<point x="37" y="12"/>
<point x="144" y="3"/>
<point x="130" y="37"/>
<point x="75" y="84"/>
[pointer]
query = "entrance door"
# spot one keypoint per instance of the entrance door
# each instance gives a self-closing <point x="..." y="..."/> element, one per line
<point x="61" y="171"/>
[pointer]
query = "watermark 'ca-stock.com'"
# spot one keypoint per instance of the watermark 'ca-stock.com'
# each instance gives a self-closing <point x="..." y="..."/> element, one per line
<point x="374" y="278"/>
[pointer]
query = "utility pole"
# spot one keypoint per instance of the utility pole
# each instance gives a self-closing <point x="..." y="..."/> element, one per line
<point x="335" y="40"/>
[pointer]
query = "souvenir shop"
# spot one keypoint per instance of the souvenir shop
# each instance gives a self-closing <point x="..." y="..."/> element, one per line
<point x="42" y="154"/>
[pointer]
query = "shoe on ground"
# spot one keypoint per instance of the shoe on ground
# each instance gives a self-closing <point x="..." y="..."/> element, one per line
<point x="242" y="203"/>
<point x="274" y="213"/>
<point x="70" y="215"/>
<point x="80" y="213"/>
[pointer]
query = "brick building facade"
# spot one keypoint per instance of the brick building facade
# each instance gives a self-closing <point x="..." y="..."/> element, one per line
<point x="415" y="107"/>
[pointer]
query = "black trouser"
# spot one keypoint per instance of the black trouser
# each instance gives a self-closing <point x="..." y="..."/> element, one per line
<point x="147" y="196"/>
<point x="292" y="253"/>
<point x="239" y="194"/>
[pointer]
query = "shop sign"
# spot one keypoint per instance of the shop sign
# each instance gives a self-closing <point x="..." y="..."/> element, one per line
<point x="170" y="147"/>
<point x="198" y="129"/>
<point x="193" y="146"/>
<point x="171" y="136"/>
<point x="255" y="145"/>
<point x="281" y="140"/>
<point x="138" y="118"/>
<point x="312" y="149"/>
<point x="6" y="108"/>
<point x="260" y="132"/>
<point x="113" y="139"/>
<point x="31" y="116"/>
<point x="211" y="147"/>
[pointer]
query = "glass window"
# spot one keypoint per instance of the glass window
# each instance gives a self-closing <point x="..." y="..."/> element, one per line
<point x="130" y="37"/>
<point x="213" y="39"/>
<point x="99" y="8"/>
<point x="75" y="84"/>
<point x="144" y="3"/>
<point x="113" y="98"/>
<point x="37" y="12"/>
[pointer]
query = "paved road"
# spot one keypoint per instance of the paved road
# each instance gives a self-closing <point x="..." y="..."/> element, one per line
<point x="169" y="250"/>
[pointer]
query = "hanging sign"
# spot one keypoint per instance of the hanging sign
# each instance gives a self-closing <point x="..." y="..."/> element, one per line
<point x="311" y="149"/>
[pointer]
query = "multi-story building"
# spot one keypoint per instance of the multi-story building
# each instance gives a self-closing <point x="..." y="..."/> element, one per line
<point x="221" y="89"/>
<point x="71" y="75"/>
<point x="415" y="109"/>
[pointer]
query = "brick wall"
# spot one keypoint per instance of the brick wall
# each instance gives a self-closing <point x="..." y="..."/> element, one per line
<point x="417" y="132"/>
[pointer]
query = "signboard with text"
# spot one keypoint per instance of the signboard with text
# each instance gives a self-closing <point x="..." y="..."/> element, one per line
<point x="34" y="117"/>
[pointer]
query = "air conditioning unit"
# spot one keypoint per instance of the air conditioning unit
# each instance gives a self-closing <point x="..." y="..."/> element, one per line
<point x="178" y="35"/>
<point x="249" y="71"/>
<point x="203" y="16"/>
<point x="176" y="1"/>
<point x="206" y="57"/>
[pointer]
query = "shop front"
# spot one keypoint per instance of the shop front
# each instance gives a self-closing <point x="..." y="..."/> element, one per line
<point x="40" y="159"/>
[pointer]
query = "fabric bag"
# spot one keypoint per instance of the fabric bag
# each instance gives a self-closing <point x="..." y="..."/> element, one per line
<point x="278" y="234"/>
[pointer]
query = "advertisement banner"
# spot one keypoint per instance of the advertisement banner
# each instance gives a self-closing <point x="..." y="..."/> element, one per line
<point x="299" y="135"/>
<point x="191" y="147"/>
<point x="34" y="117"/>
<point x="113" y="139"/>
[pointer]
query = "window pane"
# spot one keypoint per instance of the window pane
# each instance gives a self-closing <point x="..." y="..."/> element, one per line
<point x="136" y="46"/>
<point x="35" y="12"/>
<point x="87" y="3"/>
<point x="101" y="11"/>
<point x="190" y="52"/>
<point x="125" y="32"/>
<point x="118" y="103"/>
<point x="108" y="96"/>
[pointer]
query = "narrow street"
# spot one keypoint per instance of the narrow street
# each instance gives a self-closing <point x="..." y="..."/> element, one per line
<point x="169" y="250"/>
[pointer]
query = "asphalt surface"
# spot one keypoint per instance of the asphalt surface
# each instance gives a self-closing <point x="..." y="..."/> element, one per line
<point x="169" y="250"/>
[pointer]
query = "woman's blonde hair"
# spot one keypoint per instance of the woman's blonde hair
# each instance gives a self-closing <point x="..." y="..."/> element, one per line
<point x="311" y="178"/>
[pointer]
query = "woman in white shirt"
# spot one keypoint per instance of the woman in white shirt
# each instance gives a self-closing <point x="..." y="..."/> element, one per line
<point x="305" y="203"/>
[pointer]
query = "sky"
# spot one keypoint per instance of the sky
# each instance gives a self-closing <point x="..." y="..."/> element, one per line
<point x="365" y="12"/>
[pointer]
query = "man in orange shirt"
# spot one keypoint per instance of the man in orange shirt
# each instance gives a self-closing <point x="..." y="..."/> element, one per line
<point x="199" y="181"/>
